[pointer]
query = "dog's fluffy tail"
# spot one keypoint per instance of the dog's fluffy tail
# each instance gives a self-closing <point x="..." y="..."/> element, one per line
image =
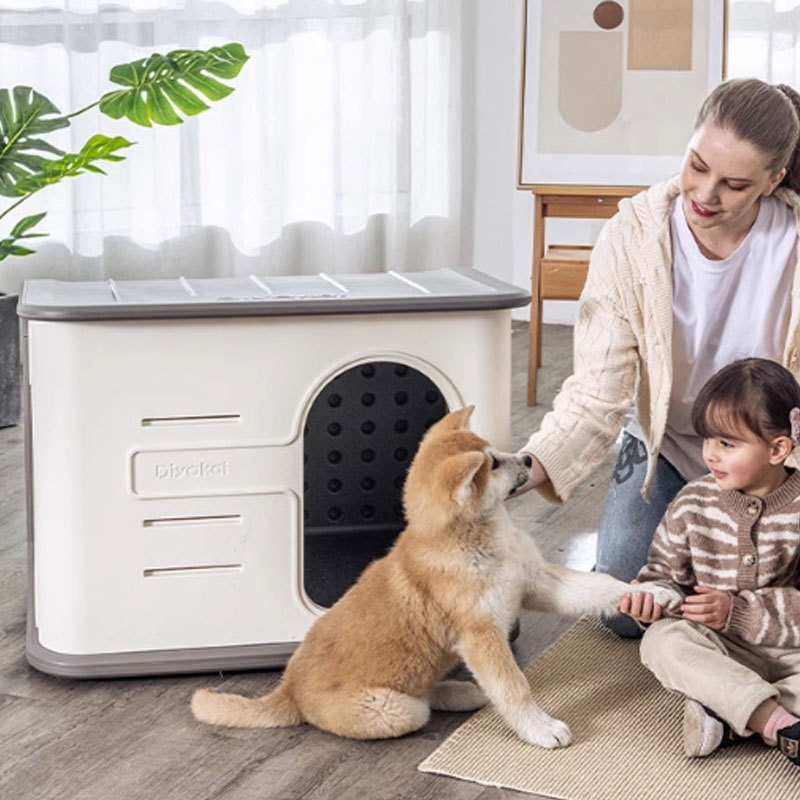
<point x="275" y="710"/>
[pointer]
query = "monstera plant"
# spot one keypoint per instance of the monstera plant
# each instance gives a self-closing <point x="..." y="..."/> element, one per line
<point x="157" y="89"/>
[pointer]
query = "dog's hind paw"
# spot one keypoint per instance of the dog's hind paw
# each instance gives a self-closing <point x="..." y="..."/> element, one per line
<point x="548" y="732"/>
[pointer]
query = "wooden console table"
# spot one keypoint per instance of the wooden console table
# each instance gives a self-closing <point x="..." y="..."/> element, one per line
<point x="560" y="273"/>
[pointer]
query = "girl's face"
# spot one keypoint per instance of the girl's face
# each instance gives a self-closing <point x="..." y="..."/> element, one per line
<point x="722" y="178"/>
<point x="744" y="462"/>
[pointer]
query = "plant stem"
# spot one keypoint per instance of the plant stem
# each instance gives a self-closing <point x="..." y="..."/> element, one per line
<point x="80" y="111"/>
<point x="14" y="205"/>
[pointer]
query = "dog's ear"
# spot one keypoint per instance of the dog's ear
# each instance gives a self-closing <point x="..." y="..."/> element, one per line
<point x="458" y="472"/>
<point x="454" y="421"/>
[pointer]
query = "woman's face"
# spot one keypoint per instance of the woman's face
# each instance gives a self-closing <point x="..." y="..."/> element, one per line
<point x="722" y="179"/>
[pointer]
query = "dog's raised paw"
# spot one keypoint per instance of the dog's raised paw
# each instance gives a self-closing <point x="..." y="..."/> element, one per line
<point x="664" y="596"/>
<point x="549" y="733"/>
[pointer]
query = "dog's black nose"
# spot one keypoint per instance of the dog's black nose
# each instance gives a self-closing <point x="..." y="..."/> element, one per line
<point x="527" y="461"/>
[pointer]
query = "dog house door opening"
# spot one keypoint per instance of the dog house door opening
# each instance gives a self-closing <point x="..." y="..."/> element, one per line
<point x="361" y="434"/>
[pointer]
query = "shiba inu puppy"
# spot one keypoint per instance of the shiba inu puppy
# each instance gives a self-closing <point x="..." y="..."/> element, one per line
<point x="449" y="590"/>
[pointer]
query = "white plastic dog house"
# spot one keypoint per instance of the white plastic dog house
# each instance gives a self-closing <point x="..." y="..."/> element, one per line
<point x="210" y="463"/>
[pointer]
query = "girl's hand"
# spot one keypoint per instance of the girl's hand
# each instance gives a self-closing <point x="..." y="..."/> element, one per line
<point x="710" y="607"/>
<point x="640" y="606"/>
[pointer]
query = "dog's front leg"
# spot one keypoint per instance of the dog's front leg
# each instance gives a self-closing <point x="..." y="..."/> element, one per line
<point x="486" y="652"/>
<point x="566" y="591"/>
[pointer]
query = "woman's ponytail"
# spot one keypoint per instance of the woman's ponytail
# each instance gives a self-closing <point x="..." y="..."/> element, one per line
<point x="792" y="178"/>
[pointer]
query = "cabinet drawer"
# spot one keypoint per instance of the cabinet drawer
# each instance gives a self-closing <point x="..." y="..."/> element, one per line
<point x="564" y="270"/>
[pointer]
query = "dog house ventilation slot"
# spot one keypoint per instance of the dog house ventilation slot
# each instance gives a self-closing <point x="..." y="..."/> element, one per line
<point x="360" y="437"/>
<point x="222" y="519"/>
<point x="191" y="419"/>
<point x="210" y="569"/>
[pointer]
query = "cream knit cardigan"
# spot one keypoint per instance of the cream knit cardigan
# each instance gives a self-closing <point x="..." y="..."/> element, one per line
<point x="623" y="343"/>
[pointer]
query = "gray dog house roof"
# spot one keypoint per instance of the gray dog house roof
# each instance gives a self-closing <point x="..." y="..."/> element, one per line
<point x="272" y="295"/>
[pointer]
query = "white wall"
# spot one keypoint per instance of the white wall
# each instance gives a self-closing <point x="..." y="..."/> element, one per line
<point x="497" y="217"/>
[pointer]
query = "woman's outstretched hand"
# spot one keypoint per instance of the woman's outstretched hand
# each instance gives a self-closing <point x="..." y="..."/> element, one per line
<point x="538" y="475"/>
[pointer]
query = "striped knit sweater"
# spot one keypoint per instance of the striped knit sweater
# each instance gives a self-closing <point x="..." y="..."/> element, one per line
<point x="748" y="546"/>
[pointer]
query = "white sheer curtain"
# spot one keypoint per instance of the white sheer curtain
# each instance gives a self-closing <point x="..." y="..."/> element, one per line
<point x="339" y="149"/>
<point x="764" y="40"/>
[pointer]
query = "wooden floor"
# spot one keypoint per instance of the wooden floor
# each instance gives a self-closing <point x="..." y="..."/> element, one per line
<point x="126" y="739"/>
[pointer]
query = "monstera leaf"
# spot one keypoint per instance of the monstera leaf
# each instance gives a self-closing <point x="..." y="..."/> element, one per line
<point x="22" y="230"/>
<point x="24" y="116"/>
<point x="98" y="148"/>
<point x="159" y="86"/>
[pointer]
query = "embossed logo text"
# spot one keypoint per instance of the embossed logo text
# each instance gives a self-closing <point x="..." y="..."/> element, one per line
<point x="198" y="469"/>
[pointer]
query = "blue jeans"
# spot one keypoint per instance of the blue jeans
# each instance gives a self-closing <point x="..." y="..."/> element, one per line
<point x="629" y="522"/>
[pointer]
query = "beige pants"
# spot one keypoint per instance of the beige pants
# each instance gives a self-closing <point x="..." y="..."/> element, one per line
<point x="723" y="673"/>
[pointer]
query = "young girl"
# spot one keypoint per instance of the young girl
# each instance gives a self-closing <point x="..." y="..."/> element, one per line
<point x="730" y="543"/>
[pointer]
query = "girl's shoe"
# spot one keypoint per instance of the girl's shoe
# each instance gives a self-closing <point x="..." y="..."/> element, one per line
<point x="789" y="742"/>
<point x="703" y="731"/>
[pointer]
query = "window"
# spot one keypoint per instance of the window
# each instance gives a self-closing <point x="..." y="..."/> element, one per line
<point x="338" y="150"/>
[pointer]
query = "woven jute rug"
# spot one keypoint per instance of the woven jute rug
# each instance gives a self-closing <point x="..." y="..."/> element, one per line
<point x="626" y="732"/>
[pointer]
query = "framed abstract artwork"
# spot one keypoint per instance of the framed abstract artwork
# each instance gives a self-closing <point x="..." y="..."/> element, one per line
<point x="610" y="90"/>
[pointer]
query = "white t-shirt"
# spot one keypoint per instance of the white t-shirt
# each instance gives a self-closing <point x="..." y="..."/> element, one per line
<point x="723" y="310"/>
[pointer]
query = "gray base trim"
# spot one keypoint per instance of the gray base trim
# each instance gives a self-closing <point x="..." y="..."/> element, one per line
<point x="154" y="662"/>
